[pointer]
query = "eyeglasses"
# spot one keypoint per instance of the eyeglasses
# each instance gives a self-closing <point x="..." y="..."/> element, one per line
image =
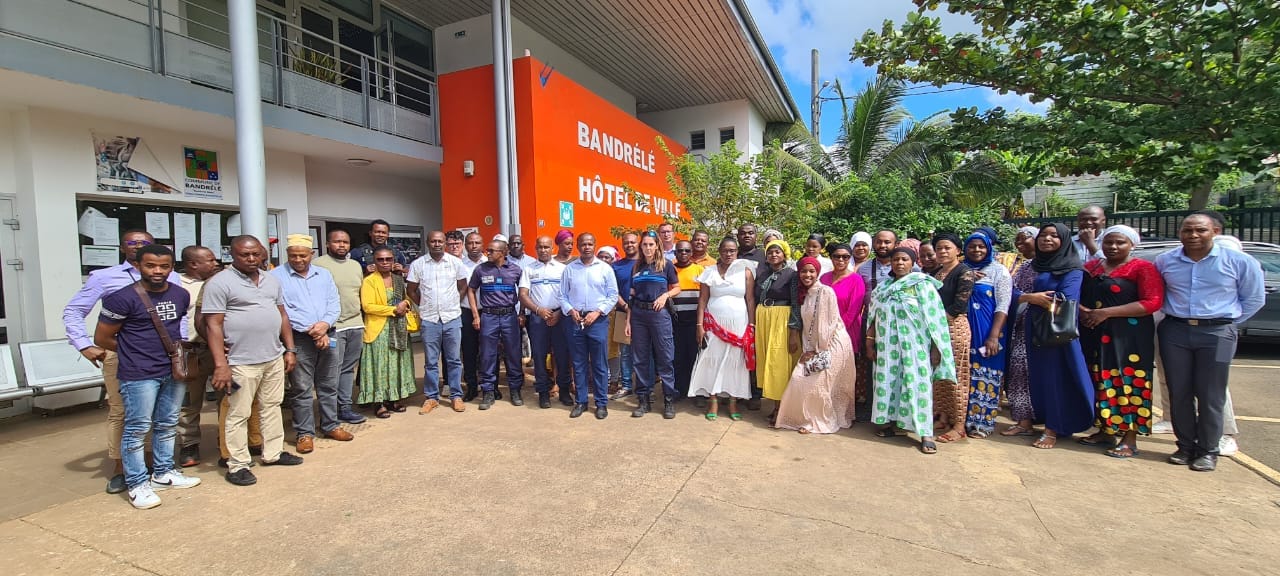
<point x="684" y="250"/>
<point x="492" y="251"/>
<point x="840" y="256"/>
<point x="137" y="242"/>
<point x="392" y="259"/>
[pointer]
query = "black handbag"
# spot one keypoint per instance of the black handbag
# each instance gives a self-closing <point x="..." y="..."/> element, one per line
<point x="1057" y="326"/>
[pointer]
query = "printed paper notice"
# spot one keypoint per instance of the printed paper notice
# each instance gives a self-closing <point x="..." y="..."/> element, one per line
<point x="106" y="232"/>
<point x="99" y="256"/>
<point x="158" y="224"/>
<point x="88" y="223"/>
<point x="211" y="231"/>
<point x="184" y="232"/>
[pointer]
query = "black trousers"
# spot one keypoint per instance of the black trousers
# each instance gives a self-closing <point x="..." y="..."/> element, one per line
<point x="686" y="339"/>
<point x="470" y="350"/>
<point x="1196" y="361"/>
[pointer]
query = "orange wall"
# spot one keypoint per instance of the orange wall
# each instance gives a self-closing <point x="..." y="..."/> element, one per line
<point x="553" y="165"/>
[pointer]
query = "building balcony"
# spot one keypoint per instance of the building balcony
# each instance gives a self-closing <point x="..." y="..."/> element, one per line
<point x="189" y="40"/>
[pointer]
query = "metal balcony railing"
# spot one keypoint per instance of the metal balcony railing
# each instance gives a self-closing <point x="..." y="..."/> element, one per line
<point x="189" y="40"/>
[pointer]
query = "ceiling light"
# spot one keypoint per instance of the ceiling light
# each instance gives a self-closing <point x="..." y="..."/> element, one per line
<point x="358" y="162"/>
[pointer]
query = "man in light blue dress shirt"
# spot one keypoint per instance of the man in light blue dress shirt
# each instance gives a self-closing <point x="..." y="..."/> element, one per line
<point x="590" y="291"/>
<point x="1209" y="291"/>
<point x="311" y="299"/>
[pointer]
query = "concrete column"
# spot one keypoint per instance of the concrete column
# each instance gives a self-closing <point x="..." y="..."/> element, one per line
<point x="513" y="173"/>
<point x="500" y="31"/>
<point x="251" y="161"/>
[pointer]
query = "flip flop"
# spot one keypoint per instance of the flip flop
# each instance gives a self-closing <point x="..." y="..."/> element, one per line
<point x="928" y="447"/>
<point x="712" y="416"/>
<point x="1042" y="439"/>
<point x="1104" y="441"/>
<point x="1116" y="452"/>
<point x="735" y="416"/>
<point x="886" y="432"/>
<point x="382" y="412"/>
<point x="1020" y="431"/>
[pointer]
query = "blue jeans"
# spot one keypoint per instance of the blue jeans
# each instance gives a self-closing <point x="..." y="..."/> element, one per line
<point x="627" y="363"/>
<point x="350" y="344"/>
<point x="545" y="340"/>
<point x="443" y="338"/>
<point x="149" y="406"/>
<point x="590" y="348"/>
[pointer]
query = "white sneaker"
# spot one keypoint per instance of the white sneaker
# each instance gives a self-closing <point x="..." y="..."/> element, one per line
<point x="1227" y="446"/>
<point x="143" y="497"/>
<point x="1162" y="427"/>
<point x="173" y="479"/>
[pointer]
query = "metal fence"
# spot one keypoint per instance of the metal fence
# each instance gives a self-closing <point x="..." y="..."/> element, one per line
<point x="1247" y="224"/>
<point x="189" y="40"/>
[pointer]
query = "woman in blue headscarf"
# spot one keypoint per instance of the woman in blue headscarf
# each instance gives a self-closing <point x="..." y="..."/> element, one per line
<point x="988" y="310"/>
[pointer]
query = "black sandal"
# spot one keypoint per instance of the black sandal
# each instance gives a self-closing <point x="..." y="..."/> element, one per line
<point x="886" y="432"/>
<point x="382" y="412"/>
<point x="928" y="447"/>
<point x="396" y="407"/>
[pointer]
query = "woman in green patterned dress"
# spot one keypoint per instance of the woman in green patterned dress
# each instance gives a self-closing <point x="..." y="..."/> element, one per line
<point x="386" y="363"/>
<point x="908" y="328"/>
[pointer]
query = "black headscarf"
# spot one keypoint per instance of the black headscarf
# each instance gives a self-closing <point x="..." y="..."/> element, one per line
<point x="1060" y="261"/>
<point x="950" y="238"/>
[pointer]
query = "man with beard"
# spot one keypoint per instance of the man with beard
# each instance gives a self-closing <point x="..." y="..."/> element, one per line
<point x="437" y="281"/>
<point x="622" y="269"/>
<point x="348" y="275"/>
<point x="877" y="269"/>
<point x="142" y="323"/>
<point x="747" y="248"/>
<point x="1090" y="222"/>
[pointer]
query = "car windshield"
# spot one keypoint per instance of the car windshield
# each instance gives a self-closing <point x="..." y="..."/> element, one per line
<point x="1270" y="263"/>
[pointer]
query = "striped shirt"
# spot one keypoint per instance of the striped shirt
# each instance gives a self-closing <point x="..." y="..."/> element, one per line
<point x="686" y="303"/>
<point x="542" y="281"/>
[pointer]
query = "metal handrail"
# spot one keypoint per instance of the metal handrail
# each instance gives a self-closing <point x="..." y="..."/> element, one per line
<point x="286" y="48"/>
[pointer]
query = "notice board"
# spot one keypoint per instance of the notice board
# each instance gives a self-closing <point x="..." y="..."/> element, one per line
<point x="101" y="223"/>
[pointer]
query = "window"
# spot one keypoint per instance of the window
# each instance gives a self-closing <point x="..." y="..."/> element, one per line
<point x="361" y="8"/>
<point x="411" y="43"/>
<point x="726" y="134"/>
<point x="697" y="140"/>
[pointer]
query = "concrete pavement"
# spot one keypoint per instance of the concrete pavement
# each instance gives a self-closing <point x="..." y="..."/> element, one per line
<point x="529" y="491"/>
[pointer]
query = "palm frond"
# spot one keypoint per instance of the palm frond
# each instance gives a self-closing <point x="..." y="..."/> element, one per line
<point x="866" y="130"/>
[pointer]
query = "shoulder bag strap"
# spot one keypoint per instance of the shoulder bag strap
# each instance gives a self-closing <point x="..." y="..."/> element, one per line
<point x="155" y="319"/>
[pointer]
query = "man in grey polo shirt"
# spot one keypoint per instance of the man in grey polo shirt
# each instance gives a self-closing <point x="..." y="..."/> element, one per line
<point x="244" y="309"/>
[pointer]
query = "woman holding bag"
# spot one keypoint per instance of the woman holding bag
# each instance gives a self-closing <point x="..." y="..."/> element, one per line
<point x="386" y="362"/>
<point x="819" y="397"/>
<point x="1061" y="389"/>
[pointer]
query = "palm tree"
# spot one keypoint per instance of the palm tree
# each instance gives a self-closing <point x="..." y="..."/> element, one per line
<point x="879" y="136"/>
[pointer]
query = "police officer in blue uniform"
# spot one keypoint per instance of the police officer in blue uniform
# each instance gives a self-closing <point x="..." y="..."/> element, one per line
<point x="494" y="295"/>
<point x="653" y="283"/>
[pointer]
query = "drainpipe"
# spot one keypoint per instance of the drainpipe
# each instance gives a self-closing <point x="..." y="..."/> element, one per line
<point x="251" y="164"/>
<point x="500" y="31"/>
<point x="513" y="174"/>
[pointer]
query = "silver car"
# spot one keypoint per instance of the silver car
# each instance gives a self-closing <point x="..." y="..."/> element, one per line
<point x="1266" y="323"/>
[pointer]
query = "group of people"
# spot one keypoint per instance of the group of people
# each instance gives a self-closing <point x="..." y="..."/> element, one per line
<point x="927" y="336"/>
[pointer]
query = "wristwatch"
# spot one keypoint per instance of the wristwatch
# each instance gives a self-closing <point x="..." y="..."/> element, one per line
<point x="294" y="349"/>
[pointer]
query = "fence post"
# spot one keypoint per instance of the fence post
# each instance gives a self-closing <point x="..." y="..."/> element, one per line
<point x="277" y="62"/>
<point x="364" y="89"/>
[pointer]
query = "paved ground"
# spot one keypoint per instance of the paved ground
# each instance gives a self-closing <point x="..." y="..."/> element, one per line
<point x="1255" y="390"/>
<point x="529" y="491"/>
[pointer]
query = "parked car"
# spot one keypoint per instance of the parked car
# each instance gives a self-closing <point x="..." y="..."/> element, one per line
<point x="1266" y="323"/>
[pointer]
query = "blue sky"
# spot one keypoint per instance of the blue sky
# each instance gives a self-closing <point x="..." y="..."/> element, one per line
<point x="793" y="27"/>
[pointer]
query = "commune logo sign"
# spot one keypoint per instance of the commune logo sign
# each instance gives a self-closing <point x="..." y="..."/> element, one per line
<point x="566" y="214"/>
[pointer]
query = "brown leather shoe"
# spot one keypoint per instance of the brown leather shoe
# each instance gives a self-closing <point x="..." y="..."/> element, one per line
<point x="428" y="406"/>
<point x="339" y="435"/>
<point x="306" y="444"/>
<point x="459" y="405"/>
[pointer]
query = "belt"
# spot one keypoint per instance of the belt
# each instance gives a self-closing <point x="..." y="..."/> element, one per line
<point x="193" y="345"/>
<point x="772" y="302"/>
<point x="1201" y="321"/>
<point x="498" y="311"/>
<point x="635" y="301"/>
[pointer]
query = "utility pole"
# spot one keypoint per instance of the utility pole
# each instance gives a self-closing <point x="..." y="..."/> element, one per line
<point x="814" y="103"/>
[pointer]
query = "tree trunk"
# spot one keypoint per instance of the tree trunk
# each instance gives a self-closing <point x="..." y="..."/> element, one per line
<point x="1200" y="194"/>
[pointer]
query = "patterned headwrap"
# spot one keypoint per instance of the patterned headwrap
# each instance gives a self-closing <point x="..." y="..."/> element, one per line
<point x="802" y="290"/>
<point x="986" y="241"/>
<point x="911" y="243"/>
<point x="563" y="235"/>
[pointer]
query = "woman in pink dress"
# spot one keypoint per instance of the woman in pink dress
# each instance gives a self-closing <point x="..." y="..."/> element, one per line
<point x="850" y="291"/>
<point x="819" y="401"/>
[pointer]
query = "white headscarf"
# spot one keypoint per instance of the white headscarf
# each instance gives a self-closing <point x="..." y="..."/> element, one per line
<point x="1125" y="231"/>
<point x="860" y="237"/>
<point x="610" y="250"/>
<point x="1029" y="230"/>
<point x="1229" y="241"/>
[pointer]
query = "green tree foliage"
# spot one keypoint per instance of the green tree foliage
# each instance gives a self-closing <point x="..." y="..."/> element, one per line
<point x="1177" y="91"/>
<point x="889" y="201"/>
<point x="724" y="190"/>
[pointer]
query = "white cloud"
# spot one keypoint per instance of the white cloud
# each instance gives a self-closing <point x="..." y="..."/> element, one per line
<point x="793" y="27"/>
<point x="1015" y="102"/>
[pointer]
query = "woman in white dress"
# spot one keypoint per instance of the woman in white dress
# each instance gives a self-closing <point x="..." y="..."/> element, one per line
<point x="726" y="326"/>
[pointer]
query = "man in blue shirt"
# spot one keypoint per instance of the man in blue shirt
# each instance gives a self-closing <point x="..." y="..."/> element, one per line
<point x="151" y="396"/>
<point x="590" y="292"/>
<point x="493" y="298"/>
<point x="311" y="299"/>
<point x="622" y="268"/>
<point x="1209" y="291"/>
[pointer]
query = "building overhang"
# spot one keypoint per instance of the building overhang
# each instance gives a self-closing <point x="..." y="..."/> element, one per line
<point x="669" y="54"/>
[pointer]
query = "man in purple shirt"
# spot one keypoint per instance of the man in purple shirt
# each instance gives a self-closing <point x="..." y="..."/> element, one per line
<point x="152" y="397"/>
<point x="493" y="296"/>
<point x="102" y="283"/>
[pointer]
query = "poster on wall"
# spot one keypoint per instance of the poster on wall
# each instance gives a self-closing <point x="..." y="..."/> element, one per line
<point x="201" y="176"/>
<point x="114" y="154"/>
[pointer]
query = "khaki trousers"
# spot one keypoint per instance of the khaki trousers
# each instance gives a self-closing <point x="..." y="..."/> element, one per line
<point x="189" y="417"/>
<point x="115" y="405"/>
<point x="261" y="386"/>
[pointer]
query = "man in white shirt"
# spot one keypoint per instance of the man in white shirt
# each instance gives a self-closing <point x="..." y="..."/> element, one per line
<point x="540" y="295"/>
<point x="1090" y="221"/>
<point x="516" y="254"/>
<point x="667" y="240"/>
<point x="472" y="256"/>
<point x="437" y="281"/>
